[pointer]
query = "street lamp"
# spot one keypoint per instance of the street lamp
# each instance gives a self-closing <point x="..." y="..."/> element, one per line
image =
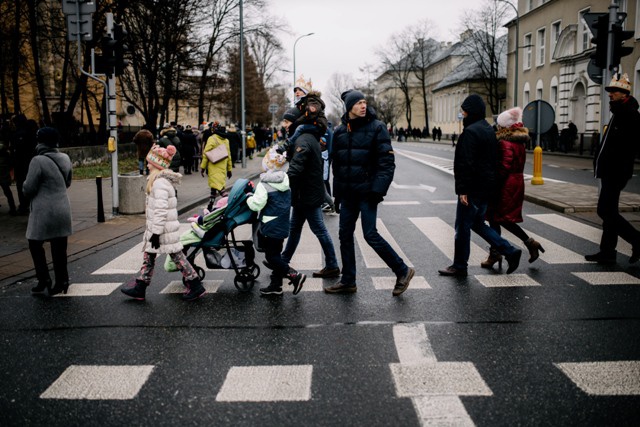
<point x="515" y="75"/>
<point x="294" y="56"/>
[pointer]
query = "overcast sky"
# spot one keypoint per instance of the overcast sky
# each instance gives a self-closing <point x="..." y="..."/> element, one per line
<point x="348" y="32"/>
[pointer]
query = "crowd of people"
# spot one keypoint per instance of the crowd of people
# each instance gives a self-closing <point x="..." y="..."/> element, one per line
<point x="295" y="189"/>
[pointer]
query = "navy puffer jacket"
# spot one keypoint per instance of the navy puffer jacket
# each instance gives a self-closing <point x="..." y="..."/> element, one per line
<point x="363" y="159"/>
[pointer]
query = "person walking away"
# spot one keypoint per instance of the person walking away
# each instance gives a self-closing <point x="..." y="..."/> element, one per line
<point x="23" y="145"/>
<point x="363" y="167"/>
<point x="251" y="143"/>
<point x="272" y="198"/>
<point x="162" y="231"/>
<point x="169" y="136"/>
<point x="144" y="141"/>
<point x="235" y="144"/>
<point x="189" y="147"/>
<point x="474" y="168"/>
<point x="5" y="174"/>
<point x="218" y="172"/>
<point x="307" y="187"/>
<point x="505" y="210"/>
<point x="454" y="137"/>
<point x="45" y="187"/>
<point x="614" y="166"/>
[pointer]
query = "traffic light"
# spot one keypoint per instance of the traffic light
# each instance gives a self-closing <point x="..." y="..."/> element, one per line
<point x="106" y="63"/>
<point x="121" y="48"/>
<point x="619" y="36"/>
<point x="599" y="24"/>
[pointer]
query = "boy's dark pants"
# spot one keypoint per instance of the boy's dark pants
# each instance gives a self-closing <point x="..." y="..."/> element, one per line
<point x="272" y="253"/>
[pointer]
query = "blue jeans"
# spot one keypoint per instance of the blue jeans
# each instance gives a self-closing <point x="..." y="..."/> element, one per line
<point x="349" y="212"/>
<point x="316" y="222"/>
<point x="469" y="218"/>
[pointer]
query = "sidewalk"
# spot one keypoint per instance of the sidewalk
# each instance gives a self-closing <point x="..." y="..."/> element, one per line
<point x="90" y="236"/>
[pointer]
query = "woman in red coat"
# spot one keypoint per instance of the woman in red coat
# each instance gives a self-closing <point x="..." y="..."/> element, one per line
<point x="506" y="210"/>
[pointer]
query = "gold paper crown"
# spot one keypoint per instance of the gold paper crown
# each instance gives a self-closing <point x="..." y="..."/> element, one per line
<point x="620" y="83"/>
<point x="306" y="86"/>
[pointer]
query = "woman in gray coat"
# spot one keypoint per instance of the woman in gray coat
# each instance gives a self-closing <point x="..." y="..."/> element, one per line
<point x="46" y="186"/>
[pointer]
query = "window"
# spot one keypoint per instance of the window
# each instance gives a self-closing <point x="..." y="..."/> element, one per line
<point x="585" y="33"/>
<point x="637" y="27"/>
<point x="540" y="47"/>
<point x="553" y="91"/>
<point x="539" y="87"/>
<point x="525" y="97"/>
<point x="556" y="28"/>
<point x="527" y="51"/>
<point x="529" y="5"/>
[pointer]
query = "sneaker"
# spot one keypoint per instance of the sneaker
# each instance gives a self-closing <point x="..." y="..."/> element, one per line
<point x="403" y="282"/>
<point x="635" y="255"/>
<point x="452" y="271"/>
<point x="194" y="290"/>
<point x="327" y="208"/>
<point x="328" y="273"/>
<point x="602" y="258"/>
<point x="341" y="288"/>
<point x="296" y="279"/>
<point x="136" y="289"/>
<point x="272" y="289"/>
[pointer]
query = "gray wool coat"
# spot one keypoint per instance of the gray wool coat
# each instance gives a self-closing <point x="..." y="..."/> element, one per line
<point x="46" y="186"/>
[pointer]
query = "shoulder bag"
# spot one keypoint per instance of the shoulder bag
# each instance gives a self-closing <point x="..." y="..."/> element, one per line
<point x="217" y="154"/>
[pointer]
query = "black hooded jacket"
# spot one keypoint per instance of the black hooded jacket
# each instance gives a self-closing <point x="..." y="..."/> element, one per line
<point x="363" y="159"/>
<point x="474" y="165"/>
<point x="620" y="143"/>
<point x="305" y="170"/>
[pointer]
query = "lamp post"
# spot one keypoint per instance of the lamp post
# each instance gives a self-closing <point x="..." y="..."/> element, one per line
<point x="515" y="74"/>
<point x="294" y="56"/>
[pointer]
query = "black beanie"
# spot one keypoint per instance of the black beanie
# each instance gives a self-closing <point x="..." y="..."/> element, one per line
<point x="351" y="97"/>
<point x="474" y="106"/>
<point x="48" y="136"/>
<point x="292" y="114"/>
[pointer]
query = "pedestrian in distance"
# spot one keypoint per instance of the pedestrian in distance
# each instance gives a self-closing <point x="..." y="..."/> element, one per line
<point x="235" y="144"/>
<point x="5" y="174"/>
<point x="144" y="141"/>
<point x="307" y="185"/>
<point x="218" y="172"/>
<point x="614" y="166"/>
<point x="505" y="210"/>
<point x="23" y="145"/>
<point x="162" y="231"/>
<point x="363" y="167"/>
<point x="169" y="136"/>
<point x="272" y="198"/>
<point x="474" y="169"/>
<point x="189" y="148"/>
<point x="45" y="187"/>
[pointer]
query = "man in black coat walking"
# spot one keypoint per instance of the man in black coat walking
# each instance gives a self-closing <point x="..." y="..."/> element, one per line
<point x="614" y="166"/>
<point x="363" y="167"/>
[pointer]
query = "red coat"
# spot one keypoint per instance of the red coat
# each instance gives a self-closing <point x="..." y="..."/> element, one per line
<point x="507" y="206"/>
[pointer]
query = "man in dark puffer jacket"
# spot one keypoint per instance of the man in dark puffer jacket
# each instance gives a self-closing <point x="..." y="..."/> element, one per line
<point x="474" y="168"/>
<point x="363" y="166"/>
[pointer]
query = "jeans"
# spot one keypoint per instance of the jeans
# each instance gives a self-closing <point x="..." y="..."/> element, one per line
<point x="614" y="224"/>
<point x="316" y="222"/>
<point x="349" y="211"/>
<point x="59" y="254"/>
<point x="469" y="218"/>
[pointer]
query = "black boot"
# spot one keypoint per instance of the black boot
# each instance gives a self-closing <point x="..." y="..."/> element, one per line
<point x="513" y="260"/>
<point x="135" y="289"/>
<point x="194" y="290"/>
<point x="41" y="287"/>
<point x="59" y="288"/>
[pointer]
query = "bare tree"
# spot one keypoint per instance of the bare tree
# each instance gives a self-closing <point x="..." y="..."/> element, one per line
<point x="338" y="83"/>
<point x="387" y="108"/>
<point x="266" y="49"/>
<point x="487" y="44"/>
<point x="395" y="60"/>
<point x="425" y="51"/>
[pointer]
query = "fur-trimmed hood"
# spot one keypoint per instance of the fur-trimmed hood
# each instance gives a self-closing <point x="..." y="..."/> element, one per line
<point x="174" y="178"/>
<point x="514" y="134"/>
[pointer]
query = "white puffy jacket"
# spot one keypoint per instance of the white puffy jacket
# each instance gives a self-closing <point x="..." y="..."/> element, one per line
<point x="162" y="214"/>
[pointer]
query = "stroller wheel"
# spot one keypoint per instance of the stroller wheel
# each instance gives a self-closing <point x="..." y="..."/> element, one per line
<point x="243" y="283"/>
<point x="254" y="271"/>
<point x="200" y="272"/>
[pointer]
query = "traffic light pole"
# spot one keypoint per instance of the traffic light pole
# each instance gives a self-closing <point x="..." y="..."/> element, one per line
<point x="113" y="129"/>
<point x="607" y="72"/>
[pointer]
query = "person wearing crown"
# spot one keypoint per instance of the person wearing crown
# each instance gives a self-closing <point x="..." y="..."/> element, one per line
<point x="614" y="166"/>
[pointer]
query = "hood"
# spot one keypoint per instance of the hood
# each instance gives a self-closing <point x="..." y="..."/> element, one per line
<point x="514" y="134"/>
<point x="174" y="178"/>
<point x="277" y="179"/>
<point x="475" y="108"/>
<point x="169" y="133"/>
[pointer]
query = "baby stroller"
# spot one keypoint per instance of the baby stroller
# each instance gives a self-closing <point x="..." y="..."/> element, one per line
<point x="214" y="235"/>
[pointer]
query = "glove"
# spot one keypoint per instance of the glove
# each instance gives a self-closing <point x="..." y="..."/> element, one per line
<point x="202" y="172"/>
<point x="229" y="174"/>
<point x="155" y="241"/>
<point x="280" y="149"/>
<point x="336" y="205"/>
<point x="374" y="198"/>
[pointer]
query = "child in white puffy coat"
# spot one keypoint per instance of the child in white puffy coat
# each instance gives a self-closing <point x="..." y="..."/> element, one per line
<point x="162" y="233"/>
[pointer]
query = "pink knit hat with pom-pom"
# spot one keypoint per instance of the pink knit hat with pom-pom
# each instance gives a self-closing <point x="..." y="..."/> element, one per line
<point x="511" y="117"/>
<point x="161" y="157"/>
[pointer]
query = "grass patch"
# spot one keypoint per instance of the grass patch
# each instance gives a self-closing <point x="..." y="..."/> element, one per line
<point x="104" y="169"/>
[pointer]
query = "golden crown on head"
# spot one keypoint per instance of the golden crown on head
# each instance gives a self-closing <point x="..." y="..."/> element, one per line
<point x="619" y="82"/>
<point x="306" y="86"/>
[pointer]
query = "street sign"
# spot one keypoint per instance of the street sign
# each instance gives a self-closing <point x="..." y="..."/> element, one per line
<point x="594" y="72"/>
<point x="70" y="7"/>
<point x="83" y="26"/>
<point x="538" y="116"/>
<point x="273" y="108"/>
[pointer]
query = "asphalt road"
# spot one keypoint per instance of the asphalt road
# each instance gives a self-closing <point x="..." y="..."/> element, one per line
<point x="555" y="343"/>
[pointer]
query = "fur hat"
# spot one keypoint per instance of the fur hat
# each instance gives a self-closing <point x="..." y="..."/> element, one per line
<point x="511" y="117"/>
<point x="232" y="128"/>
<point x="292" y="114"/>
<point x="273" y="161"/>
<point x="303" y="85"/>
<point x="161" y="157"/>
<point x="619" y="83"/>
<point x="351" y="97"/>
<point x="48" y="136"/>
